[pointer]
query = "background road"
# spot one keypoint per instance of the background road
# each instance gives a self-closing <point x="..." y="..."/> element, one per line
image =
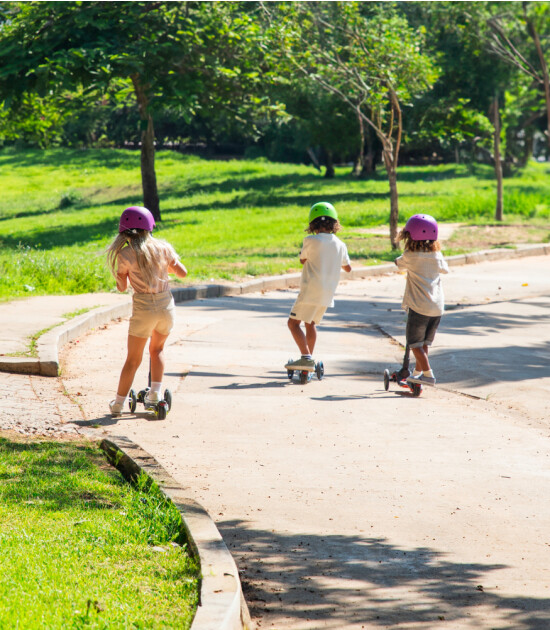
<point x="346" y="506"/>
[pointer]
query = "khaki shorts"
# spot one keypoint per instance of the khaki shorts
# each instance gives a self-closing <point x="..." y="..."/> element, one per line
<point x="307" y="313"/>
<point x="152" y="311"/>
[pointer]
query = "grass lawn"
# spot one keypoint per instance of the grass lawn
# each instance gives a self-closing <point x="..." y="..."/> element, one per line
<point x="79" y="547"/>
<point x="230" y="219"/>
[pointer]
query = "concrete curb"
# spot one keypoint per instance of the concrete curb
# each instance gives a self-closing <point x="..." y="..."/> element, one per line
<point x="221" y="602"/>
<point x="51" y="342"/>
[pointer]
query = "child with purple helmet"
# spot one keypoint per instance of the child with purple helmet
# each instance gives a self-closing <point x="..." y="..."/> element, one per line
<point x="135" y="257"/>
<point x="424" y="300"/>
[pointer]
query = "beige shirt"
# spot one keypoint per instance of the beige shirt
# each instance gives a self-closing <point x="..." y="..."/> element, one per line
<point x="423" y="291"/>
<point x="128" y="270"/>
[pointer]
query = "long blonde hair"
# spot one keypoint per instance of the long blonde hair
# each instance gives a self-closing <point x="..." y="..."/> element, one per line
<point x="147" y="250"/>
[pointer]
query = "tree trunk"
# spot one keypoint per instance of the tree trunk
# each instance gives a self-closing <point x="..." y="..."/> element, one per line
<point x="329" y="172"/>
<point x="148" y="175"/>
<point x="498" y="160"/>
<point x="360" y="161"/>
<point x="543" y="66"/>
<point x="394" y="198"/>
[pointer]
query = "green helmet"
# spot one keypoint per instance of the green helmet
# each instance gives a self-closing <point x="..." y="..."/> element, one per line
<point x="322" y="209"/>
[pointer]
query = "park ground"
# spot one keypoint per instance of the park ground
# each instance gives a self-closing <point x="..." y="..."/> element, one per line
<point x="345" y="505"/>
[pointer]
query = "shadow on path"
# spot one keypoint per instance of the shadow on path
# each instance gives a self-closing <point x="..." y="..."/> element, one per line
<point x="383" y="584"/>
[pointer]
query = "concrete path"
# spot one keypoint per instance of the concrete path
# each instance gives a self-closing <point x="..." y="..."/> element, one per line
<point x="346" y="506"/>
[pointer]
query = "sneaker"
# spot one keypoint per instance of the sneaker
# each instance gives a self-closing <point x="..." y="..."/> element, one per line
<point x="422" y="380"/>
<point x="301" y="364"/>
<point x="116" y="408"/>
<point x="151" y="399"/>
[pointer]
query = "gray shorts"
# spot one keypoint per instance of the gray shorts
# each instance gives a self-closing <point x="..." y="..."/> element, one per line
<point x="421" y="329"/>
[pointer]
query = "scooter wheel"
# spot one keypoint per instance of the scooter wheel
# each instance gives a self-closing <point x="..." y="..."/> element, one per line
<point x="290" y="374"/>
<point x="162" y="410"/>
<point x="304" y="377"/>
<point x="132" y="400"/>
<point x="168" y="398"/>
<point x="319" y="370"/>
<point x="141" y="395"/>
<point x="416" y="389"/>
<point x="386" y="379"/>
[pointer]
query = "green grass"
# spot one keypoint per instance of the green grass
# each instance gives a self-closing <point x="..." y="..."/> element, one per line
<point x="76" y="545"/>
<point x="227" y="219"/>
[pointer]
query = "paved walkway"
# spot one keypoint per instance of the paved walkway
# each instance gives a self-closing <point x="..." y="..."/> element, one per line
<point x="346" y="506"/>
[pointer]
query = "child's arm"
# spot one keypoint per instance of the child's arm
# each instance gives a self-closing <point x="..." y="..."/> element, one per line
<point x="121" y="275"/>
<point x="177" y="268"/>
<point x="122" y="281"/>
<point x="399" y="261"/>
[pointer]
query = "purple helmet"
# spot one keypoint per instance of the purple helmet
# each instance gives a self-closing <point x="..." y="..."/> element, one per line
<point x="136" y="218"/>
<point x="422" y="227"/>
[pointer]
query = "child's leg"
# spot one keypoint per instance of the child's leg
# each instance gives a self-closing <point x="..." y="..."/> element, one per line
<point x="136" y="346"/>
<point x="156" y="350"/>
<point x="299" y="336"/>
<point x="311" y="336"/>
<point x="421" y="356"/>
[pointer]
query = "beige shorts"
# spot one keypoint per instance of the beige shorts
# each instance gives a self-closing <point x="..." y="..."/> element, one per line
<point x="307" y="313"/>
<point x="152" y="311"/>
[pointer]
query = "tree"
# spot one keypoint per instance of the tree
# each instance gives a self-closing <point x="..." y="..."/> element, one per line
<point x="179" y="52"/>
<point x="366" y="55"/>
<point x="509" y="42"/>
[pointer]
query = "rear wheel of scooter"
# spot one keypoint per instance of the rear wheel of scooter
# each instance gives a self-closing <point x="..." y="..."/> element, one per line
<point x="162" y="410"/>
<point x="168" y="398"/>
<point x="132" y="400"/>
<point x="416" y="389"/>
<point x="386" y="379"/>
<point x="304" y="377"/>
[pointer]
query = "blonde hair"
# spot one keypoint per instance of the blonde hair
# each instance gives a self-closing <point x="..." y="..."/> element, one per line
<point x="148" y="250"/>
<point x="417" y="246"/>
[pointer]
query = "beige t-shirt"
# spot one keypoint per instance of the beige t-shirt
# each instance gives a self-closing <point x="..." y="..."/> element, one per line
<point x="424" y="290"/>
<point x="128" y="269"/>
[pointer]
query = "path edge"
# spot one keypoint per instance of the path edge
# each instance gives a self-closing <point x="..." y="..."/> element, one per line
<point x="221" y="602"/>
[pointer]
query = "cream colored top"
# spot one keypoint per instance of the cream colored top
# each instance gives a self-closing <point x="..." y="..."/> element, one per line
<point x="325" y="255"/>
<point x="128" y="270"/>
<point x="423" y="291"/>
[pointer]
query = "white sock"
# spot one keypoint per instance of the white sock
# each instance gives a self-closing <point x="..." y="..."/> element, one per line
<point x="429" y="373"/>
<point x="155" y="387"/>
<point x="417" y="373"/>
<point x="120" y="400"/>
<point x="306" y="356"/>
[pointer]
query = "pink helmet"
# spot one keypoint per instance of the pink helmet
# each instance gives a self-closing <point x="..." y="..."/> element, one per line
<point x="136" y="218"/>
<point x="422" y="227"/>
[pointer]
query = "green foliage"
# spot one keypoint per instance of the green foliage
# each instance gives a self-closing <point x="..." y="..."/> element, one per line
<point x="227" y="219"/>
<point x="77" y="544"/>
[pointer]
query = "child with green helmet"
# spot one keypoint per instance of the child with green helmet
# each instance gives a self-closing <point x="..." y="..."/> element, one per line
<point x="323" y="254"/>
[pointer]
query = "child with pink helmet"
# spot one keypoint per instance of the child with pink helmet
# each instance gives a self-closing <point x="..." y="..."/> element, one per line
<point x="424" y="300"/>
<point x="135" y="257"/>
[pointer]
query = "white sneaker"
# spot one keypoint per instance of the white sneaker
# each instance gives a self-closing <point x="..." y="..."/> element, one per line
<point x="151" y="398"/>
<point x="116" y="408"/>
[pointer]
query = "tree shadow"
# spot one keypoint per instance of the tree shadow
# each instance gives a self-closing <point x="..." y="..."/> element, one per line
<point x="356" y="581"/>
<point x="455" y="362"/>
